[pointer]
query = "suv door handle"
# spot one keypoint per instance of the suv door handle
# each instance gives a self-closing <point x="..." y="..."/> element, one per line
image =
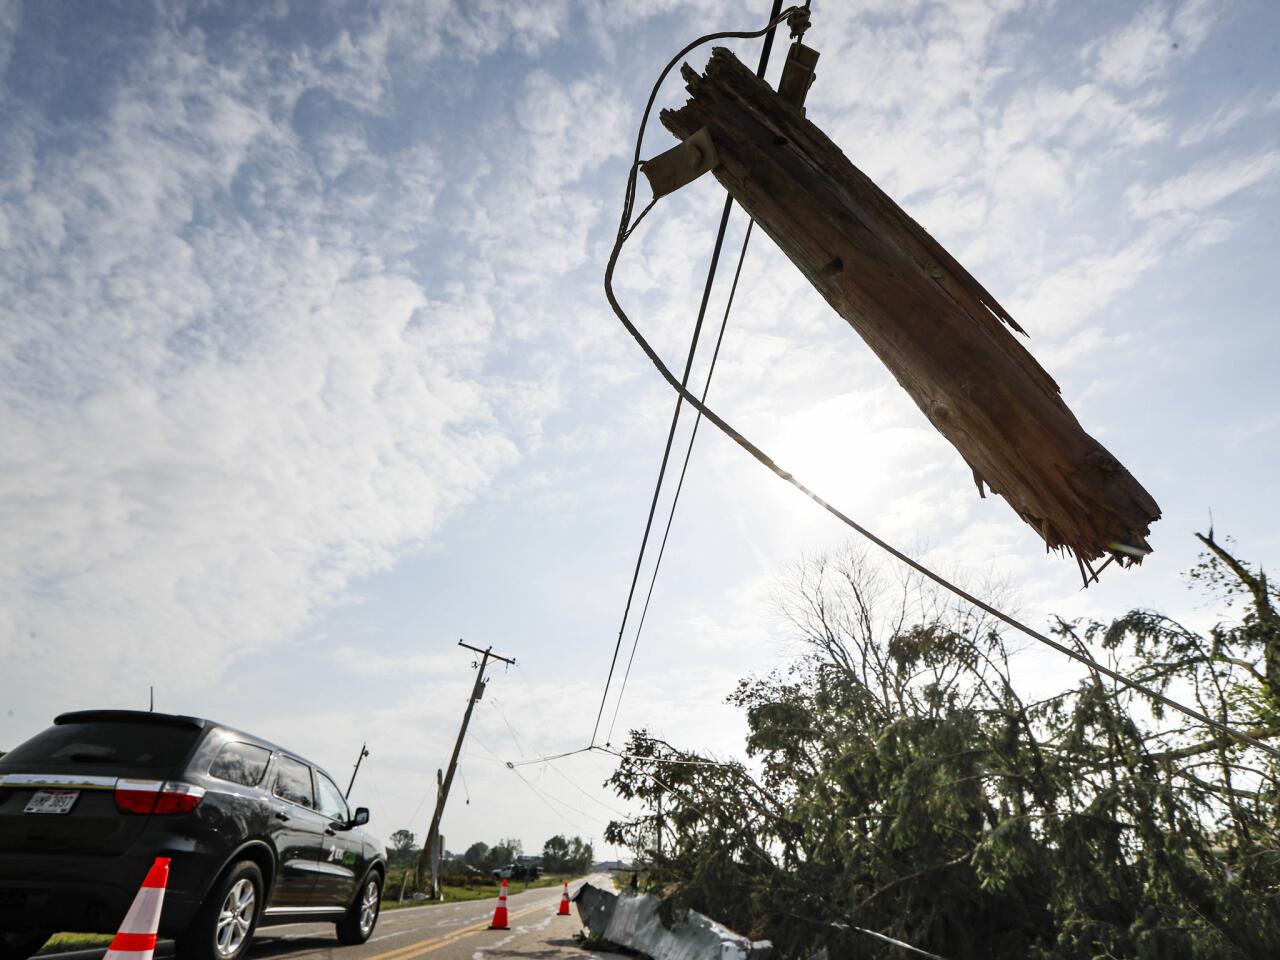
<point x="329" y="832"/>
<point x="281" y="815"/>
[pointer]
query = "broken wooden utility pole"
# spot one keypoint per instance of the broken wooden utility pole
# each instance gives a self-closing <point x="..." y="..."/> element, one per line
<point x="940" y="333"/>
<point x="429" y="858"/>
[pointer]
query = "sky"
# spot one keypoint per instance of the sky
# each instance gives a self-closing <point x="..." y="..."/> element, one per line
<point x="306" y="371"/>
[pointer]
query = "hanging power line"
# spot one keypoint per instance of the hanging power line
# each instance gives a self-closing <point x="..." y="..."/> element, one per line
<point x="559" y="773"/>
<point x="693" y="436"/>
<point x="775" y="18"/>
<point x="555" y="756"/>
<point x="416" y="810"/>
<point x="666" y="455"/>
<point x="764" y="459"/>
<point x="515" y="737"/>
<point x="481" y="744"/>
<point x="546" y="801"/>
<point x="686" y="763"/>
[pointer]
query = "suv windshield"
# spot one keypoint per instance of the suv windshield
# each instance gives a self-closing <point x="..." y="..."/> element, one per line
<point x="114" y="743"/>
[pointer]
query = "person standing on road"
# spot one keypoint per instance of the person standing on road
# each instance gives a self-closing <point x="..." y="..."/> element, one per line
<point x="635" y="882"/>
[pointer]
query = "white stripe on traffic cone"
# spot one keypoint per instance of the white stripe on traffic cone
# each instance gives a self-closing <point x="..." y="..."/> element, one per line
<point x="136" y="939"/>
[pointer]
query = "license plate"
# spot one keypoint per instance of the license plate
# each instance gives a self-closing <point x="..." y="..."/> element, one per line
<point x="51" y="801"/>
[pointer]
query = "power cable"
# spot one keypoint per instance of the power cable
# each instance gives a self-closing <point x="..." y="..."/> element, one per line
<point x="685" y="763"/>
<point x="693" y="436"/>
<point x="546" y="801"/>
<point x="515" y="737"/>
<point x="497" y="759"/>
<point x="728" y="430"/>
<point x="418" y="809"/>
<point x="768" y="31"/>
<point x="512" y="764"/>
<point x="556" y="770"/>
<point x="570" y="807"/>
<point x="666" y="455"/>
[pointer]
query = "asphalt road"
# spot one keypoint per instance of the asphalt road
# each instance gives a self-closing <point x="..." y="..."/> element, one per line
<point x="455" y="931"/>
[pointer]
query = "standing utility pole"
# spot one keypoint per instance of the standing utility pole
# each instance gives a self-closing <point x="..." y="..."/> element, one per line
<point x="364" y="752"/>
<point x="429" y="859"/>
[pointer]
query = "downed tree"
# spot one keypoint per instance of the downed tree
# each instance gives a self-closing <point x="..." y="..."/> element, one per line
<point x="940" y="333"/>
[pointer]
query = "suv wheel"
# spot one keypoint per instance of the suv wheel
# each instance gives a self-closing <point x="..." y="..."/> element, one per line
<point x="223" y="927"/>
<point x="357" y="926"/>
<point x="19" y="946"/>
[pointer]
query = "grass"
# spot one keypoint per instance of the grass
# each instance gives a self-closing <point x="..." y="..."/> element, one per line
<point x="75" y="941"/>
<point x="622" y="880"/>
<point x="454" y="894"/>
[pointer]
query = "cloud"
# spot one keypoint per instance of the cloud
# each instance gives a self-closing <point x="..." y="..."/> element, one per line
<point x="1082" y="116"/>
<point x="1227" y="118"/>
<point x="1206" y="185"/>
<point x="292" y="292"/>
<point x="1137" y="52"/>
<point x="1062" y="299"/>
<point x="1145" y="47"/>
<point x="229" y="388"/>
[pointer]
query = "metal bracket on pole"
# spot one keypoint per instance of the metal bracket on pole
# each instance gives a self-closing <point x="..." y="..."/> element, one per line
<point x="797" y="74"/>
<point x="683" y="163"/>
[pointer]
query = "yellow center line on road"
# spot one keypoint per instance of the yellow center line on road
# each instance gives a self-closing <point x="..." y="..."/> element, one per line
<point x="409" y="951"/>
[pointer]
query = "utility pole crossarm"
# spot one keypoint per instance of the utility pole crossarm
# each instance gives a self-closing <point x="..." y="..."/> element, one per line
<point x="488" y="652"/>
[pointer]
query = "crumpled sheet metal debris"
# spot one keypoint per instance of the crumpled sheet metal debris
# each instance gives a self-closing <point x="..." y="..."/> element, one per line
<point x="632" y="921"/>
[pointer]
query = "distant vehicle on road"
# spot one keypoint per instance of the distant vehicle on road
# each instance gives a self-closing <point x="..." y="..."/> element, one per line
<point x="256" y="834"/>
<point x="518" y="871"/>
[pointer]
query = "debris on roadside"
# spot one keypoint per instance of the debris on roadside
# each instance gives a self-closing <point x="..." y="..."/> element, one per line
<point x="635" y="922"/>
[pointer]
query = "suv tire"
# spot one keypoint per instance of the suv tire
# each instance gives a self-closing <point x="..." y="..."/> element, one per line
<point x="19" y="946"/>
<point x="362" y="916"/>
<point x="211" y="936"/>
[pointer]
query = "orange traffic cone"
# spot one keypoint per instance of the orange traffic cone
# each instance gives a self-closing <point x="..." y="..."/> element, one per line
<point x="499" y="912"/>
<point x="564" y="902"/>
<point x="136" y="939"/>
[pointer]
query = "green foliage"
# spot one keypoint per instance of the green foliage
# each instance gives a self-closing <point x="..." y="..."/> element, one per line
<point x="402" y="841"/>
<point x="904" y="786"/>
<point x="403" y="850"/>
<point x="504" y="852"/>
<point x="566" y="856"/>
<point x="485" y="858"/>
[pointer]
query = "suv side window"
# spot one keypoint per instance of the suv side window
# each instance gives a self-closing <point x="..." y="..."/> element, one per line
<point x="332" y="804"/>
<point x="241" y="763"/>
<point x="293" y="782"/>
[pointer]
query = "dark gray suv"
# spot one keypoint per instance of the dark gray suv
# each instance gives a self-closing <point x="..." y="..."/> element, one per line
<point x="256" y="835"/>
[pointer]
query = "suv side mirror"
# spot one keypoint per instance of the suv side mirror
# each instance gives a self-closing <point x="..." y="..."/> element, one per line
<point x="361" y="817"/>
